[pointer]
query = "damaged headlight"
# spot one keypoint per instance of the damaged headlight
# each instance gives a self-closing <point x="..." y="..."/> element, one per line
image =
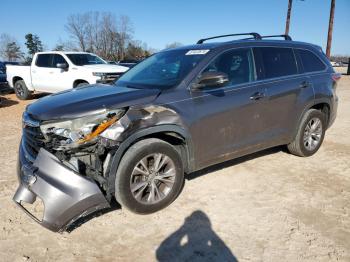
<point x="76" y="132"/>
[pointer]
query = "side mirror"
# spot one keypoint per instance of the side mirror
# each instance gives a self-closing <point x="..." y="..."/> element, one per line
<point x="63" y="66"/>
<point x="211" y="80"/>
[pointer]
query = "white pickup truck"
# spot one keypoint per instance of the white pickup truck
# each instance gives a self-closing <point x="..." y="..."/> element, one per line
<point x="52" y="72"/>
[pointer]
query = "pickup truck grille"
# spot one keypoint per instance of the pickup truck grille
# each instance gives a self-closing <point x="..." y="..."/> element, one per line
<point x="32" y="138"/>
<point x="109" y="78"/>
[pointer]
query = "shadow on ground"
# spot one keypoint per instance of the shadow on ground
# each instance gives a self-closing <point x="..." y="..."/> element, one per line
<point x="235" y="161"/>
<point x="5" y="102"/>
<point x="195" y="240"/>
<point x="83" y="220"/>
<point x="116" y="206"/>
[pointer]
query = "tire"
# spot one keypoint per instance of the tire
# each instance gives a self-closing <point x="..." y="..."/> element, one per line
<point x="22" y="91"/>
<point x="127" y="177"/>
<point x="300" y="148"/>
<point x="81" y="84"/>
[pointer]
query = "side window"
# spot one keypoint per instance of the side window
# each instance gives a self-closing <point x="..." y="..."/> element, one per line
<point x="278" y="62"/>
<point x="44" y="60"/>
<point x="311" y="62"/>
<point x="237" y="64"/>
<point x="58" y="59"/>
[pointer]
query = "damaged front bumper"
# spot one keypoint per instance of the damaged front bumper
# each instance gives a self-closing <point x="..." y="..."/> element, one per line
<point x="66" y="195"/>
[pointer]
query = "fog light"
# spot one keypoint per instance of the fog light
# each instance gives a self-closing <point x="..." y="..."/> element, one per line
<point x="28" y="177"/>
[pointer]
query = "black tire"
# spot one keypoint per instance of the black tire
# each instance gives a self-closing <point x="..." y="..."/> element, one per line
<point x="81" y="84"/>
<point x="132" y="157"/>
<point x="297" y="147"/>
<point x="22" y="91"/>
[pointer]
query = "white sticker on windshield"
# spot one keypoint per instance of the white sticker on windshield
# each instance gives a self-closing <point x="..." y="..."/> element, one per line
<point x="198" y="52"/>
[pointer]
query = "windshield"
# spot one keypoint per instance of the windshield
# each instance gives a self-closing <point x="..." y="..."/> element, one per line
<point x="162" y="70"/>
<point x="85" y="59"/>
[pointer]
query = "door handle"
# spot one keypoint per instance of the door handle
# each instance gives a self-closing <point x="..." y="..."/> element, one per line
<point x="305" y="84"/>
<point x="257" y="96"/>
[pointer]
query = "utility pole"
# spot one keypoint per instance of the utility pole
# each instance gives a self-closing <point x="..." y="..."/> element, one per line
<point x="330" y="29"/>
<point x="290" y="2"/>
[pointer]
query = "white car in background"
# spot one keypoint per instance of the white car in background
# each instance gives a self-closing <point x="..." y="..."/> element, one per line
<point x="52" y="72"/>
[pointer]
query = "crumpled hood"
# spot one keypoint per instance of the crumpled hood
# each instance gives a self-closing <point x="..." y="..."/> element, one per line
<point x="88" y="100"/>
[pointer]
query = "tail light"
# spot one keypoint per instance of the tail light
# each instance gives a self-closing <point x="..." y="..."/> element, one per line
<point x="336" y="77"/>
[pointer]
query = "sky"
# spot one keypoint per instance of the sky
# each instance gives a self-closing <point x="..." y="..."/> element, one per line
<point x="160" y="22"/>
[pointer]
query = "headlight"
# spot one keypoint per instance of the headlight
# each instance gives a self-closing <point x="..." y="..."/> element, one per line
<point x="79" y="131"/>
<point x="98" y="74"/>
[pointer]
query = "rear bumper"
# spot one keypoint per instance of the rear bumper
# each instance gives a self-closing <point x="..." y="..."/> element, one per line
<point x="65" y="194"/>
<point x="333" y="113"/>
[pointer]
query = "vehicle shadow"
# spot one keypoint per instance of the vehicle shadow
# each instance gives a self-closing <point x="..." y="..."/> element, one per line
<point x="195" y="240"/>
<point x="85" y="219"/>
<point x="5" y="102"/>
<point x="202" y="216"/>
<point x="235" y="161"/>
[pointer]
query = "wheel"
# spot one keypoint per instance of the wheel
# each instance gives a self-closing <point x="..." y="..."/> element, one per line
<point x="22" y="91"/>
<point x="310" y="134"/>
<point x="82" y="84"/>
<point x="149" y="177"/>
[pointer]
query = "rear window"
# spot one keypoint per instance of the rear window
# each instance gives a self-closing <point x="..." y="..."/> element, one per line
<point x="44" y="60"/>
<point x="278" y="62"/>
<point x="311" y="62"/>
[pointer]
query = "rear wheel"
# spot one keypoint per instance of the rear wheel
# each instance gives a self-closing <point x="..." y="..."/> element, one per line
<point x="149" y="177"/>
<point x="310" y="134"/>
<point x="21" y="90"/>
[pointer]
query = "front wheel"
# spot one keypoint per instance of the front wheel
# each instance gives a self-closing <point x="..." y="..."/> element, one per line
<point x="149" y="177"/>
<point x="310" y="134"/>
<point x="22" y="91"/>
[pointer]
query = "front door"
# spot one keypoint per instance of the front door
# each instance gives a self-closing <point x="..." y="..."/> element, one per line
<point x="228" y="117"/>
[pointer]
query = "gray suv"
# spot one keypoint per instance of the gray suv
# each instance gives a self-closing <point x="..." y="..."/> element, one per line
<point x="179" y="111"/>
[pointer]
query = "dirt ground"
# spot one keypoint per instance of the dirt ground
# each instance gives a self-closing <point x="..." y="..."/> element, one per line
<point x="269" y="206"/>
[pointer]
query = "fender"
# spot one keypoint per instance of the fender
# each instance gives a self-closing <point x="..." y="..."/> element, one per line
<point x="123" y="147"/>
<point x="307" y="107"/>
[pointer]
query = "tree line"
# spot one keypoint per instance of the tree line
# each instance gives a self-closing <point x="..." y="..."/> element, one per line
<point x="104" y="34"/>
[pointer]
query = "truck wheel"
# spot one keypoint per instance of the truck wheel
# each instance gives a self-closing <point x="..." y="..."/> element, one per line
<point x="310" y="134"/>
<point x="21" y="90"/>
<point x="149" y="177"/>
<point x="82" y="84"/>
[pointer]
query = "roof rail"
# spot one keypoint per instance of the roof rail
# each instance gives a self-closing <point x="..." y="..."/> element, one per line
<point x="286" y="37"/>
<point x="256" y="36"/>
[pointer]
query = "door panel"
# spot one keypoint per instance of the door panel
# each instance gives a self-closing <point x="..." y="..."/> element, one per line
<point x="227" y="121"/>
<point x="228" y="117"/>
<point x="41" y="73"/>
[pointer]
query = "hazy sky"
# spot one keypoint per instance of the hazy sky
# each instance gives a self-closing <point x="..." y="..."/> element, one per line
<point x="159" y="22"/>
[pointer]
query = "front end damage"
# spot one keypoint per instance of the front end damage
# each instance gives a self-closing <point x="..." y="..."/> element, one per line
<point x="74" y="178"/>
<point x="66" y="195"/>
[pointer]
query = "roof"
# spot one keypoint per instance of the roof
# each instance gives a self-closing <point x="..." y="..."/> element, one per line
<point x="246" y="42"/>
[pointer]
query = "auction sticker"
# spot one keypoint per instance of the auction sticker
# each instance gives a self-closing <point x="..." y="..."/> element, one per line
<point x="198" y="52"/>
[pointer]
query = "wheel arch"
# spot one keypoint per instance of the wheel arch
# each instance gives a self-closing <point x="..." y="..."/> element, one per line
<point x="173" y="134"/>
<point x="15" y="79"/>
<point x="322" y="104"/>
<point x="79" y="81"/>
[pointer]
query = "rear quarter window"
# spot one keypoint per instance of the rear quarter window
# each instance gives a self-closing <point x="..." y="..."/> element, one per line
<point x="278" y="62"/>
<point x="311" y="62"/>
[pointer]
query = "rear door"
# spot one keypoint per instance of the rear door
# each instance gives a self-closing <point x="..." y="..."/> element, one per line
<point x="41" y="72"/>
<point x="286" y="92"/>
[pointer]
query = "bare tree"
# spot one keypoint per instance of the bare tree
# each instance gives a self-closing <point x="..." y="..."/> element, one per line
<point x="101" y="33"/>
<point x="173" y="45"/>
<point x="9" y="48"/>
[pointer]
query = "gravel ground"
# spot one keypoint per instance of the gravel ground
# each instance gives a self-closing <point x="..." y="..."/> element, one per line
<point x="269" y="206"/>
